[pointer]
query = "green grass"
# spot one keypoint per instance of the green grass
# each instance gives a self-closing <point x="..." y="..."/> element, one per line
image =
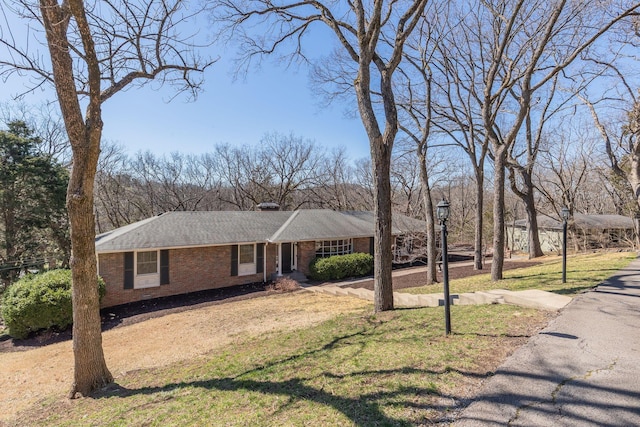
<point x="391" y="369"/>
<point x="584" y="271"/>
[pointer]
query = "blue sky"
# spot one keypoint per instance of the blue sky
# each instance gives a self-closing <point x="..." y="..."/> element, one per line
<point x="270" y="99"/>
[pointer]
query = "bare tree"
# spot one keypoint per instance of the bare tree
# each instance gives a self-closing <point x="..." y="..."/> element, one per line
<point x="460" y="118"/>
<point x="337" y="188"/>
<point x="512" y="50"/>
<point x="567" y="164"/>
<point x="113" y="198"/>
<point x="283" y="169"/>
<point x="359" y="28"/>
<point x="94" y="54"/>
<point x="364" y="180"/>
<point x="405" y="184"/>
<point x="176" y="182"/>
<point x="294" y="163"/>
<point x="47" y="124"/>
<point x="416" y="121"/>
<point x="523" y="157"/>
<point x="620" y="134"/>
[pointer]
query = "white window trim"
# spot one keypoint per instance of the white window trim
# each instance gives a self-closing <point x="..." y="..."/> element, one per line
<point x="149" y="280"/>
<point x="249" y="268"/>
<point x="342" y="243"/>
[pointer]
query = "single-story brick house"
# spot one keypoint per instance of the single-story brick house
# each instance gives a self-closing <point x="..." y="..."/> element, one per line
<point x="181" y="252"/>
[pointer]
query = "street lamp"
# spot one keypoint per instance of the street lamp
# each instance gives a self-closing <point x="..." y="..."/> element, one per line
<point x="442" y="212"/>
<point x="564" y="213"/>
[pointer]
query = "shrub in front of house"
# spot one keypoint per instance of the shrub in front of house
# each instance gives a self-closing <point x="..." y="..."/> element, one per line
<point x="340" y="266"/>
<point x="40" y="301"/>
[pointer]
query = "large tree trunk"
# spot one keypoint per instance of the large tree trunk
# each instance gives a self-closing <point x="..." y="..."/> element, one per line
<point x="535" y="249"/>
<point x="381" y="146"/>
<point x="382" y="258"/>
<point x="90" y="368"/>
<point x="428" y="215"/>
<point x="526" y="195"/>
<point x="477" y="246"/>
<point x="498" y="212"/>
<point x="633" y="175"/>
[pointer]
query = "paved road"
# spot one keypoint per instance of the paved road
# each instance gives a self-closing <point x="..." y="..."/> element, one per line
<point x="582" y="370"/>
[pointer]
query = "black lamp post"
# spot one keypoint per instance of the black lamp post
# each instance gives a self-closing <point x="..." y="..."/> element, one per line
<point x="565" y="216"/>
<point x="442" y="212"/>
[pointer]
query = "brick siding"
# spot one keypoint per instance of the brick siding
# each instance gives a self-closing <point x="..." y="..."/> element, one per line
<point x="190" y="270"/>
<point x="361" y="244"/>
<point x="198" y="269"/>
<point x="306" y="253"/>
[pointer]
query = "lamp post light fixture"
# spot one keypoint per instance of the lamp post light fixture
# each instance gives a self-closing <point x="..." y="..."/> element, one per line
<point x="564" y="213"/>
<point x="442" y="212"/>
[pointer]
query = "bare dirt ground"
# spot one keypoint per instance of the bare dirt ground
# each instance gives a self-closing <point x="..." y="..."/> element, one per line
<point x="410" y="279"/>
<point x="31" y="375"/>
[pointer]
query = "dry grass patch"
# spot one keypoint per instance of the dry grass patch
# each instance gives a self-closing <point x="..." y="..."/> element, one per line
<point x="584" y="271"/>
<point x="28" y="376"/>
<point x="392" y="369"/>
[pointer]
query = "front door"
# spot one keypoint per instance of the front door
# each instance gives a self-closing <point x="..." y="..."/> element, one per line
<point x="286" y="258"/>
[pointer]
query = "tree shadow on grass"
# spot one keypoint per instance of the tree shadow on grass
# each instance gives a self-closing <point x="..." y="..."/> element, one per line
<point x="366" y="409"/>
<point x="363" y="409"/>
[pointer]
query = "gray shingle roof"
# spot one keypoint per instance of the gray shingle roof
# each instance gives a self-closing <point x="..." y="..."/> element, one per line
<point x="316" y="224"/>
<point x="184" y="229"/>
<point x="593" y="222"/>
<point x="400" y="223"/>
<point x="209" y="228"/>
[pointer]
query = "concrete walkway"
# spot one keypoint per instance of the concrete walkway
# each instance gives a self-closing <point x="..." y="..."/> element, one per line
<point x="582" y="370"/>
<point x="530" y="298"/>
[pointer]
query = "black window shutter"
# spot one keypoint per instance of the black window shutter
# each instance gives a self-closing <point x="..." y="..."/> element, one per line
<point x="234" y="260"/>
<point x="164" y="267"/>
<point x="128" y="270"/>
<point x="260" y="258"/>
<point x="371" y="246"/>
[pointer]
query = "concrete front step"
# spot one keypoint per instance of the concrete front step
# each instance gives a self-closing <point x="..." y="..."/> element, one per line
<point x="479" y="297"/>
<point x="533" y="298"/>
<point x="361" y="293"/>
<point x="406" y="300"/>
<point x="429" y="300"/>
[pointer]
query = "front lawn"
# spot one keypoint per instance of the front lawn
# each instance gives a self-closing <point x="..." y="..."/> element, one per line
<point x="396" y="368"/>
<point x="390" y="369"/>
<point x="584" y="271"/>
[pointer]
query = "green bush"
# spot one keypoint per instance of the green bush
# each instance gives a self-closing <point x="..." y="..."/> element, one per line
<point x="340" y="266"/>
<point x="40" y="301"/>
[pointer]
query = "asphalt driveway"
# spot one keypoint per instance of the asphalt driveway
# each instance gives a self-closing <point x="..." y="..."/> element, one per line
<point x="582" y="370"/>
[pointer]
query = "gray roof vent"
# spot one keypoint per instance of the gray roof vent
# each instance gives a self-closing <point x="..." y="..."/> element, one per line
<point x="268" y="207"/>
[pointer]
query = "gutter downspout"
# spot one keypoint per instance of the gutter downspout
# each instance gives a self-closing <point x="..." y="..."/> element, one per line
<point x="264" y="262"/>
